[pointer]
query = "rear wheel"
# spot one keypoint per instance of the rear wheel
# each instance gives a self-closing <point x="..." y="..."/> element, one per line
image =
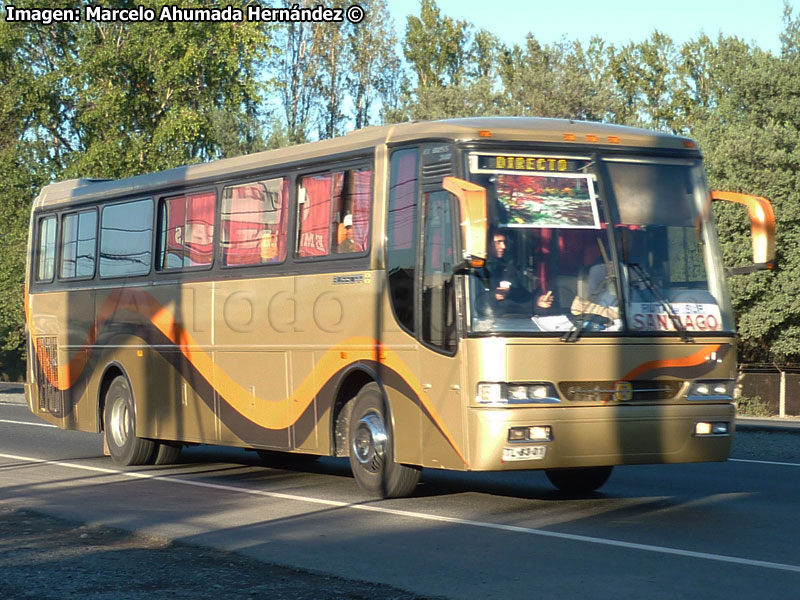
<point x="583" y="480"/>
<point x="120" y="427"/>
<point x="372" y="449"/>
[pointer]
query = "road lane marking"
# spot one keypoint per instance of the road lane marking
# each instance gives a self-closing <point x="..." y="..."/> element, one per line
<point x="764" y="462"/>
<point x="28" y="423"/>
<point x="423" y="516"/>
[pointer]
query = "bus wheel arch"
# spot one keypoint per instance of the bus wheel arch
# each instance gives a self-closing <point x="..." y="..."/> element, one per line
<point x="350" y="385"/>
<point x="371" y="447"/>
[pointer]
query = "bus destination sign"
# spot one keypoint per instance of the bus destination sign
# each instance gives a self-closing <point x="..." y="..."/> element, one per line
<point x="541" y="164"/>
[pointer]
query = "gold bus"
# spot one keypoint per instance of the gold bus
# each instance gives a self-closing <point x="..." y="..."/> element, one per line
<point x="471" y="294"/>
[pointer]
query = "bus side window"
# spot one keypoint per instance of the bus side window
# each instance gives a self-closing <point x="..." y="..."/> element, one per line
<point x="78" y="244"/>
<point x="186" y="231"/>
<point x="438" y="293"/>
<point x="401" y="235"/>
<point x="47" y="249"/>
<point x="352" y="198"/>
<point x="254" y="222"/>
<point x="126" y="237"/>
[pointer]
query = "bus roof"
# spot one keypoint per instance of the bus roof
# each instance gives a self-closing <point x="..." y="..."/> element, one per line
<point x="531" y="129"/>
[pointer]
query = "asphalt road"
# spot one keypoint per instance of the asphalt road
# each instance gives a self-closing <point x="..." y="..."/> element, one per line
<point x="666" y="531"/>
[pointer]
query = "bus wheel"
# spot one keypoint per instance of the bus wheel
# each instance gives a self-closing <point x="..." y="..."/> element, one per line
<point x="120" y="427"/>
<point x="372" y="449"/>
<point x="579" y="480"/>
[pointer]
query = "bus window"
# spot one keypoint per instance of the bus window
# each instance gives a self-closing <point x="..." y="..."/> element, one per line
<point x="438" y="299"/>
<point x="352" y="194"/>
<point x="126" y="238"/>
<point x="333" y="213"/>
<point x="314" y="215"/>
<point x="47" y="249"/>
<point x="254" y="222"/>
<point x="78" y="244"/>
<point x="401" y="234"/>
<point x="186" y="231"/>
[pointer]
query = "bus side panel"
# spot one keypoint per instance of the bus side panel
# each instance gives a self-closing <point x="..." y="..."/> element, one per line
<point x="62" y="339"/>
<point x="155" y="334"/>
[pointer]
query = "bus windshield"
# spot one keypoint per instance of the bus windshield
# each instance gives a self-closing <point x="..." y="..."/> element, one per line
<point x="569" y="237"/>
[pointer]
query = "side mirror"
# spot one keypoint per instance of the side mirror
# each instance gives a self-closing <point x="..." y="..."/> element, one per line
<point x="472" y="201"/>
<point x="762" y="228"/>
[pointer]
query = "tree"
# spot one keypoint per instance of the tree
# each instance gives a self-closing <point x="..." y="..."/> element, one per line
<point x="373" y="63"/>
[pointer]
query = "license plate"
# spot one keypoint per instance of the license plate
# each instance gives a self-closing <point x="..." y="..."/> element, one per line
<point x="524" y="453"/>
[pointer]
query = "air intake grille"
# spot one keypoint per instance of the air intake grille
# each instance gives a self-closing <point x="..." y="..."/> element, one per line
<point x="607" y="391"/>
<point x="47" y="374"/>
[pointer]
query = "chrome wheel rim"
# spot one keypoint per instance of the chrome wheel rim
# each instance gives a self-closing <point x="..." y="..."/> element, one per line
<point x="369" y="442"/>
<point x="120" y="426"/>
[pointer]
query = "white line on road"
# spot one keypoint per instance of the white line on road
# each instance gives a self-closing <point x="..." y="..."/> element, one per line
<point x="764" y="462"/>
<point x="27" y="423"/>
<point x="423" y="516"/>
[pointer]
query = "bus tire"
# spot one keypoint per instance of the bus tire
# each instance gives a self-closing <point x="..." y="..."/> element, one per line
<point x="167" y="454"/>
<point x="372" y="449"/>
<point x="577" y="481"/>
<point x="120" y="427"/>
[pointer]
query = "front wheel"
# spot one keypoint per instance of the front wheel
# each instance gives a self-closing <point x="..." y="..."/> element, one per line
<point x="120" y="427"/>
<point x="579" y="481"/>
<point x="372" y="449"/>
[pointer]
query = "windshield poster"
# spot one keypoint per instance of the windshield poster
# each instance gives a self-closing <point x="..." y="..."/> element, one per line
<point x="549" y="200"/>
<point x="652" y="316"/>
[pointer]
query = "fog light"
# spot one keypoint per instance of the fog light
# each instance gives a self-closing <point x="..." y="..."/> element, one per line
<point x="702" y="428"/>
<point x="517" y="434"/>
<point x="540" y="433"/>
<point x="716" y="428"/>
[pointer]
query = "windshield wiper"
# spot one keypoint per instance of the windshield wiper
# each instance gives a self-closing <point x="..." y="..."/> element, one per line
<point x="648" y="283"/>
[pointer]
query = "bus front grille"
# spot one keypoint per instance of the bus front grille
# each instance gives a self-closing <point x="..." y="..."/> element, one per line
<point x="615" y="391"/>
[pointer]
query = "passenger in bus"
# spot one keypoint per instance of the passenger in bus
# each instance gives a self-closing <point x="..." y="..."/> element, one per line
<point x="348" y="244"/>
<point x="596" y="294"/>
<point x="506" y="286"/>
<point x="268" y="246"/>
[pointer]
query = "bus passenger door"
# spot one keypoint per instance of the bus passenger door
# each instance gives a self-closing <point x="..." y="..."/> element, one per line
<point x="440" y="363"/>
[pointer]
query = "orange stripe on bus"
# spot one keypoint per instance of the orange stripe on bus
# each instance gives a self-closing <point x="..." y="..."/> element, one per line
<point x="698" y="358"/>
<point x="358" y="348"/>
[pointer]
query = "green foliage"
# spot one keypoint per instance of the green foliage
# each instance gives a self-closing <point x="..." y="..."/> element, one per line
<point x="752" y="406"/>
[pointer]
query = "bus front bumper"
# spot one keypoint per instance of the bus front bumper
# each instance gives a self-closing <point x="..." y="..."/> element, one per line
<point x="588" y="436"/>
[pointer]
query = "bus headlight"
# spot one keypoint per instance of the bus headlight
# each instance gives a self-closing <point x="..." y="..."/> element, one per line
<point x="502" y="394"/>
<point x="720" y="390"/>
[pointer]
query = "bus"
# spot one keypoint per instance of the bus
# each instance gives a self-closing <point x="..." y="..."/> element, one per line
<point x="478" y="294"/>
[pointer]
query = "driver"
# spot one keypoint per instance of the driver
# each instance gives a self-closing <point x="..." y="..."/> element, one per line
<point x="507" y="286"/>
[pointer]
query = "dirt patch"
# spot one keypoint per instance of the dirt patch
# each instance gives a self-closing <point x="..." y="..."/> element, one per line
<point x="46" y="558"/>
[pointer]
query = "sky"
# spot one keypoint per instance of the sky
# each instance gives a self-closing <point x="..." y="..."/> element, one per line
<point x="616" y="21"/>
